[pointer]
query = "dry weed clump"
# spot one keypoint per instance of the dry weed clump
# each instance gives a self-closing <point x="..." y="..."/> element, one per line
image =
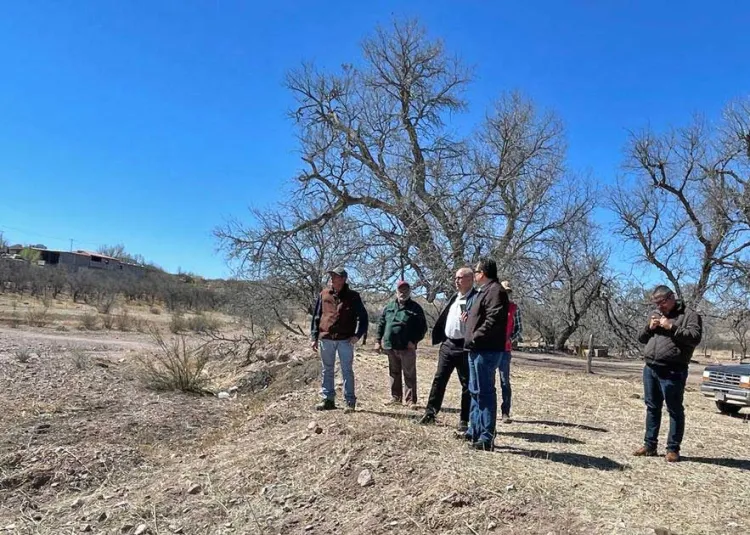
<point x="81" y="359"/>
<point x="199" y="323"/>
<point x="38" y="317"/>
<point x="155" y="310"/>
<point x="23" y="355"/>
<point x="124" y="322"/>
<point x="88" y="322"/>
<point x="108" y="321"/>
<point x="176" y="365"/>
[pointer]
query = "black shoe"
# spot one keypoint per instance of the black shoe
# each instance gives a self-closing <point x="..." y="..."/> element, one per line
<point x="350" y="407"/>
<point x="325" y="405"/>
<point x="482" y="446"/>
<point x="462" y="427"/>
<point x="427" y="419"/>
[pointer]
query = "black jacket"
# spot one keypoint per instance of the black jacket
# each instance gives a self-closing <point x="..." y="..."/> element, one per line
<point x="438" y="331"/>
<point x="673" y="348"/>
<point x="488" y="319"/>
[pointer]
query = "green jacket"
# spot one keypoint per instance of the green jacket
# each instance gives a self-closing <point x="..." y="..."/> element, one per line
<point x="400" y="325"/>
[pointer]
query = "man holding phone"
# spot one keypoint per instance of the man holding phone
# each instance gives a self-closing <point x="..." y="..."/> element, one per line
<point x="671" y="336"/>
<point x="449" y="333"/>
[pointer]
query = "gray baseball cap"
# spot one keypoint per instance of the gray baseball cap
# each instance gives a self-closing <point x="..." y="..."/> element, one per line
<point x="341" y="272"/>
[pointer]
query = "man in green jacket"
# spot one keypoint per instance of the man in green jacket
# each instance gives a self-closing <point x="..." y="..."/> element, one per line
<point x="402" y="326"/>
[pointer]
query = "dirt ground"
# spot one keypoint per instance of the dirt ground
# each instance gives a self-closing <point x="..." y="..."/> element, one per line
<point x="86" y="448"/>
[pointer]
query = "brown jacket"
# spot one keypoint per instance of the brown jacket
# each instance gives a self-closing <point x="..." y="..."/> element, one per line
<point x="339" y="316"/>
<point x="488" y="319"/>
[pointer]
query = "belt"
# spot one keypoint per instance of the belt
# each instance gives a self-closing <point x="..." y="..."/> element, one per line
<point x="458" y="342"/>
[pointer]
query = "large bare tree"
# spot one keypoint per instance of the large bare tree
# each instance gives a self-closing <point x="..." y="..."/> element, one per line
<point x="685" y="203"/>
<point x="378" y="148"/>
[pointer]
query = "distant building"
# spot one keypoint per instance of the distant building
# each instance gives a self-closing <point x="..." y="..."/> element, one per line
<point x="85" y="259"/>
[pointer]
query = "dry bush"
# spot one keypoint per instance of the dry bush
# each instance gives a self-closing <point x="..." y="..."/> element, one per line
<point x="124" y="322"/>
<point x="81" y="359"/>
<point x="23" y="355"/>
<point x="203" y="324"/>
<point x="175" y="366"/>
<point x="105" y="303"/>
<point x="155" y="310"/>
<point x="89" y="322"/>
<point x="108" y="321"/>
<point x="37" y="317"/>
<point x="178" y="323"/>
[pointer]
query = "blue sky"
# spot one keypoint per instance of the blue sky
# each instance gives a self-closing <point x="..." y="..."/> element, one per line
<point x="148" y="123"/>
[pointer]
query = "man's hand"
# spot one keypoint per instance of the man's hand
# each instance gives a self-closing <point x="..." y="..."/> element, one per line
<point x="464" y="316"/>
<point x="379" y="346"/>
<point x="664" y="323"/>
<point x="314" y="345"/>
<point x="653" y="323"/>
<point x="411" y="345"/>
<point x="353" y="340"/>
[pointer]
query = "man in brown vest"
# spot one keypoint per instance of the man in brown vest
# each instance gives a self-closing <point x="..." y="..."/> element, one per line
<point x="339" y="321"/>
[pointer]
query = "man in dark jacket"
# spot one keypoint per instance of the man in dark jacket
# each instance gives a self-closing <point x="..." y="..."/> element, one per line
<point x="485" y="341"/>
<point x="339" y="321"/>
<point x="402" y="326"/>
<point x="670" y="337"/>
<point x="449" y="333"/>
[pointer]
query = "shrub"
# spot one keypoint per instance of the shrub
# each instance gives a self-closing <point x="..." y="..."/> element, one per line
<point x="108" y="320"/>
<point x="81" y="359"/>
<point x="37" y="317"/>
<point x="175" y="366"/>
<point x="178" y="324"/>
<point x="203" y="324"/>
<point x="89" y="322"/>
<point x="155" y="310"/>
<point x="23" y="355"/>
<point x="124" y="322"/>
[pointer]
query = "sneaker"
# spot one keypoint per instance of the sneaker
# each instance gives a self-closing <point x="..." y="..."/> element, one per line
<point x="392" y="402"/>
<point x="350" y="407"/>
<point x="427" y="419"/>
<point x="643" y="451"/>
<point x="325" y="405"/>
<point x="462" y="427"/>
<point x="672" y="457"/>
<point x="506" y="419"/>
<point x="482" y="446"/>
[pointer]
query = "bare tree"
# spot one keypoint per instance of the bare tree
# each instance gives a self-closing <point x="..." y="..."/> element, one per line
<point x="686" y="205"/>
<point x="376" y="149"/>
<point x="569" y="283"/>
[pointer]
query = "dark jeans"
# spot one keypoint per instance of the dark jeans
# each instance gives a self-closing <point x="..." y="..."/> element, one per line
<point x="660" y="386"/>
<point x="450" y="357"/>
<point x="504" y="367"/>
<point x="483" y="414"/>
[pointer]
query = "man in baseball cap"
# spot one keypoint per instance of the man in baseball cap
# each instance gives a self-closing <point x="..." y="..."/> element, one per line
<point x="402" y="326"/>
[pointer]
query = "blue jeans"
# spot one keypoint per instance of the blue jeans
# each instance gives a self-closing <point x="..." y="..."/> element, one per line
<point x="483" y="412"/>
<point x="504" y="368"/>
<point x="345" y="350"/>
<point x="660" y="386"/>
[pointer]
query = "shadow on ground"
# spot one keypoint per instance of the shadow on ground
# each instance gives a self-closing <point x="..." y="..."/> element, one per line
<point x="542" y="438"/>
<point x="571" y="459"/>
<point x="562" y="424"/>
<point x="740" y="464"/>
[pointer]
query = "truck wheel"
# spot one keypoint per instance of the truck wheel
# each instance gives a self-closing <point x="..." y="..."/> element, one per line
<point x="727" y="408"/>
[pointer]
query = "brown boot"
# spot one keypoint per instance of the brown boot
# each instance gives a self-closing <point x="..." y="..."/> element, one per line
<point x="643" y="451"/>
<point x="672" y="457"/>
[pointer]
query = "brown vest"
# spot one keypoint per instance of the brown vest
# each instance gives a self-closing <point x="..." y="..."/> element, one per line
<point x="338" y="319"/>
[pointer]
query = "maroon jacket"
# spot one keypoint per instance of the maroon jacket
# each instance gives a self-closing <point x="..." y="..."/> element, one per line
<point x="339" y="316"/>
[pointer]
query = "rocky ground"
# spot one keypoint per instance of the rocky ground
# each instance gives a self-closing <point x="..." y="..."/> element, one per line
<point x="85" y="447"/>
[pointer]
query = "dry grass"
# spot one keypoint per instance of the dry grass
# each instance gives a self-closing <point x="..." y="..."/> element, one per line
<point x="562" y="467"/>
<point x="176" y="365"/>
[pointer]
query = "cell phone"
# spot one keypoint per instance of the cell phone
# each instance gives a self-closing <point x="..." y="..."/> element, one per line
<point x="463" y="307"/>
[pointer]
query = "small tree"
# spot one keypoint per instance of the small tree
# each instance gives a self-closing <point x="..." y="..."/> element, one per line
<point x="32" y="256"/>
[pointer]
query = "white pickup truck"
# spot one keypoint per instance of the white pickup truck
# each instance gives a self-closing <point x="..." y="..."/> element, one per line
<point x="728" y="386"/>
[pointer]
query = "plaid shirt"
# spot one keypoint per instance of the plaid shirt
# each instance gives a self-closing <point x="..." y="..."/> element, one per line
<point x="515" y="336"/>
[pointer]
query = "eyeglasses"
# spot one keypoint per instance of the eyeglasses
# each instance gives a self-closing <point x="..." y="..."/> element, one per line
<point x="478" y="271"/>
